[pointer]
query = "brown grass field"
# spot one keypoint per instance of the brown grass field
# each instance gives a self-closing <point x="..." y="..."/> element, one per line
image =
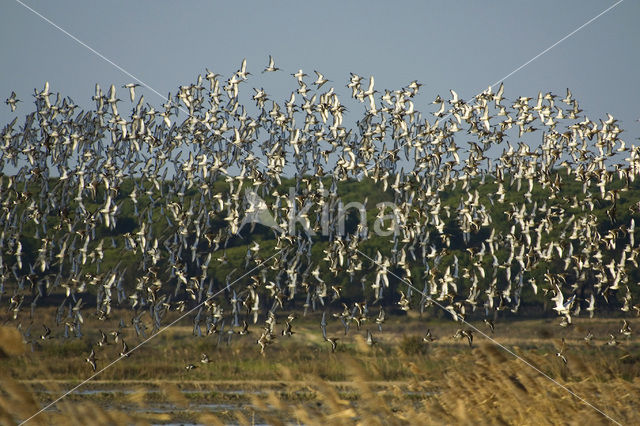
<point x="399" y="380"/>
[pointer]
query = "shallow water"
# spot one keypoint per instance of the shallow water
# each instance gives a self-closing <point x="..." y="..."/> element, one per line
<point x="131" y="391"/>
<point x="224" y="402"/>
<point x="170" y="408"/>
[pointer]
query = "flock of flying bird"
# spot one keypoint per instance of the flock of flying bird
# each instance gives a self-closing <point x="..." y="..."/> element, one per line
<point x="68" y="174"/>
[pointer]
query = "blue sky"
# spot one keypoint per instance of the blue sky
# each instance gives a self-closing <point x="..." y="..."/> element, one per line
<point x="460" y="45"/>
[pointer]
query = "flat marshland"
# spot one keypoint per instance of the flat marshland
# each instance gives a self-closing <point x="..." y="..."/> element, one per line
<point x="398" y="380"/>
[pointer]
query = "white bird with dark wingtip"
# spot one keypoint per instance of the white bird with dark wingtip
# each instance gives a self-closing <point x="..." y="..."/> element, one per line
<point x="560" y="353"/>
<point x="589" y="337"/>
<point x="125" y="349"/>
<point x="428" y="337"/>
<point x="626" y="328"/>
<point x="320" y="81"/>
<point x="92" y="359"/>
<point x="272" y="66"/>
<point x="242" y="72"/>
<point x="334" y="343"/>
<point x="380" y="319"/>
<point x="490" y="323"/>
<point x="299" y="75"/>
<point x="460" y="333"/>
<point x="47" y="333"/>
<point x="103" y="339"/>
<point x="370" y="340"/>
<point x="12" y="101"/>
<point x="132" y="89"/>
<point x="287" y="329"/>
